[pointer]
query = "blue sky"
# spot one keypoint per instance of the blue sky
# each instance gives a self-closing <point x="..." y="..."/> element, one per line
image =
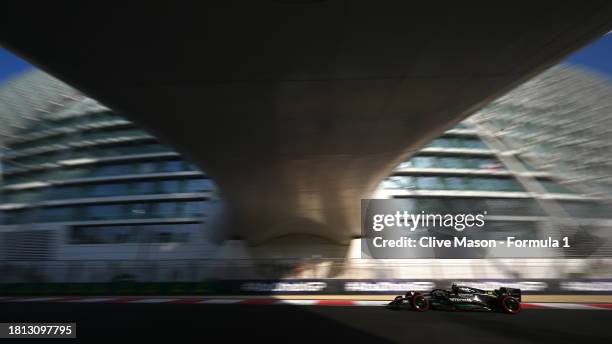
<point x="10" y="64"/>
<point x="597" y="56"/>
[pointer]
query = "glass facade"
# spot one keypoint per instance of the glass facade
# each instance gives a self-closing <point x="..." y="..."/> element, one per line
<point x="106" y="212"/>
<point x="127" y="188"/>
<point x="133" y="234"/>
<point x="463" y="143"/>
<point x="560" y="121"/>
<point x="459" y="180"/>
<point x="452" y="183"/>
<point x="92" y="166"/>
<point x="458" y="162"/>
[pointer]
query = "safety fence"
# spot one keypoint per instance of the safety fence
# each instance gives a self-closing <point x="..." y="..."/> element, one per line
<point x="183" y="271"/>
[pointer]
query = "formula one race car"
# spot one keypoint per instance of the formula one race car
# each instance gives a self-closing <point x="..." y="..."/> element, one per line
<point x="506" y="300"/>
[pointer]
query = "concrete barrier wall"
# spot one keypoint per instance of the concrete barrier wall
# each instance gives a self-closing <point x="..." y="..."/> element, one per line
<point x="304" y="287"/>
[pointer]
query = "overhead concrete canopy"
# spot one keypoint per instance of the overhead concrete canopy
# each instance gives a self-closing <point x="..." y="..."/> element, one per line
<point x="298" y="109"/>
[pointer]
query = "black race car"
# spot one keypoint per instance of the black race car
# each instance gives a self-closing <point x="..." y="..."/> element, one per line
<point x="506" y="300"/>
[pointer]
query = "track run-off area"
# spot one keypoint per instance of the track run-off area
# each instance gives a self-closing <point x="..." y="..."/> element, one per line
<point x="269" y="301"/>
<point x="275" y="320"/>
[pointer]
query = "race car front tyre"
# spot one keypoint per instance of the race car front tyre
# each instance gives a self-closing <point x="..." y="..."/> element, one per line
<point x="419" y="303"/>
<point x="509" y="304"/>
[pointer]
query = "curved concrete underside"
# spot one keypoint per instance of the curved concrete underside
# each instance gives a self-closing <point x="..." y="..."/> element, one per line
<point x="298" y="109"/>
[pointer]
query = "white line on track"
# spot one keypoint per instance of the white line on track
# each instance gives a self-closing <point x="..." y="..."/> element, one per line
<point x="370" y="303"/>
<point x="561" y="305"/>
<point x="93" y="299"/>
<point x="221" y="301"/>
<point x="296" y="302"/>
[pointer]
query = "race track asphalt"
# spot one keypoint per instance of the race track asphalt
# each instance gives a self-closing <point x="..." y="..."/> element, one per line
<point x="217" y="323"/>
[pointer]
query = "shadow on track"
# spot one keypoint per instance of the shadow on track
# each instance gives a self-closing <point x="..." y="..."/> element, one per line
<point x="177" y="323"/>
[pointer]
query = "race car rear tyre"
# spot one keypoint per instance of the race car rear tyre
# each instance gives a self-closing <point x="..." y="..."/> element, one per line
<point x="509" y="304"/>
<point x="419" y="303"/>
<point x="395" y="304"/>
